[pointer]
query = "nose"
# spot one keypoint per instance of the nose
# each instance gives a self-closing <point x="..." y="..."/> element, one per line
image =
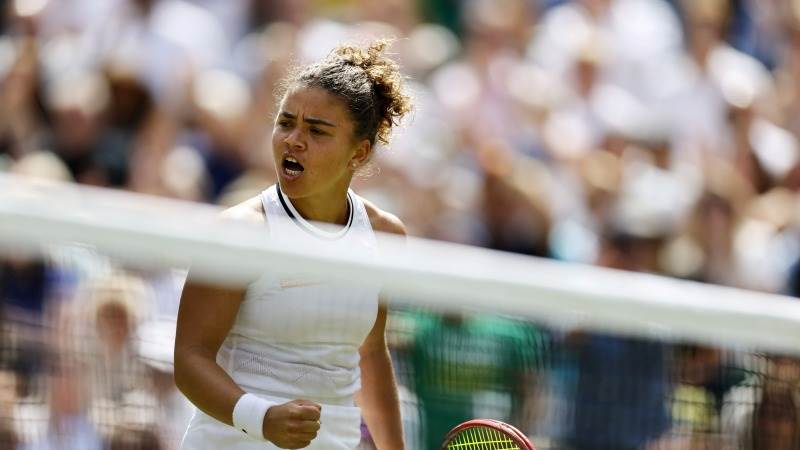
<point x="294" y="140"/>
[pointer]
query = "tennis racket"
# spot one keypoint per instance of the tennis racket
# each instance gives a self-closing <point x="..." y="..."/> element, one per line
<point x="486" y="434"/>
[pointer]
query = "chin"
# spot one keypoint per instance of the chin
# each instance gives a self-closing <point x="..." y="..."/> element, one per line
<point x="292" y="188"/>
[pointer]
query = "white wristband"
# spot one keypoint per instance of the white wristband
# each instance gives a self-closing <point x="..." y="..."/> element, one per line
<point x="249" y="413"/>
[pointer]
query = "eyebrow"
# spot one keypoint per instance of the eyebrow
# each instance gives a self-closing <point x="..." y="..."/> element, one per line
<point x="311" y="120"/>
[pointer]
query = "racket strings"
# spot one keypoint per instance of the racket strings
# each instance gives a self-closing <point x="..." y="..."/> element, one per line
<point x="482" y="438"/>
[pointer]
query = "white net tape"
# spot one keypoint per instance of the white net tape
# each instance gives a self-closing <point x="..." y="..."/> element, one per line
<point x="155" y="232"/>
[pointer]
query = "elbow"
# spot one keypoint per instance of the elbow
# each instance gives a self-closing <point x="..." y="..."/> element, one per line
<point x="374" y="352"/>
<point x="189" y="363"/>
<point x="376" y="360"/>
<point x="181" y="369"/>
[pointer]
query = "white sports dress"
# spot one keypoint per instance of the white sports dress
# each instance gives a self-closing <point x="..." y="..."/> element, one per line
<point x="298" y="337"/>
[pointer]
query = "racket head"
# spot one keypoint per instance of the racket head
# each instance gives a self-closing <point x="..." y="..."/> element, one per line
<point x="486" y="434"/>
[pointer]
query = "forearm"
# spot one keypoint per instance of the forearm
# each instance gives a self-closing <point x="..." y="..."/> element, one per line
<point x="206" y="384"/>
<point x="379" y="400"/>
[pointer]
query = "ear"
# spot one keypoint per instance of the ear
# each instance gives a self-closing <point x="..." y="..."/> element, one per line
<point x="362" y="153"/>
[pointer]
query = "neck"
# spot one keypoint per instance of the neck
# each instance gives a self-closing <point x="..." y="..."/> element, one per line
<point x="328" y="208"/>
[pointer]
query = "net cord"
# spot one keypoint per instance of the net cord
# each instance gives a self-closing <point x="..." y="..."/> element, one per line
<point x="150" y="232"/>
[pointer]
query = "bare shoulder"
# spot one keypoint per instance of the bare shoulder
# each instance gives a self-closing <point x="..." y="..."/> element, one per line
<point x="251" y="210"/>
<point x="383" y="221"/>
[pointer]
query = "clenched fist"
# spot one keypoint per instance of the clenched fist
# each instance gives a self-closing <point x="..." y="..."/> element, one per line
<point x="293" y="424"/>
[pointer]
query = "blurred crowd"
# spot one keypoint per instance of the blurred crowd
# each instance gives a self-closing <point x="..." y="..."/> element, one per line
<point x="646" y="135"/>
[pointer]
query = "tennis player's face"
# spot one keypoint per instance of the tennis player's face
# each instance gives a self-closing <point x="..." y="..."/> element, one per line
<point x="313" y="144"/>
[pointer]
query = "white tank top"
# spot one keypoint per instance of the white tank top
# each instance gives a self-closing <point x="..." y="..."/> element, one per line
<point x="298" y="337"/>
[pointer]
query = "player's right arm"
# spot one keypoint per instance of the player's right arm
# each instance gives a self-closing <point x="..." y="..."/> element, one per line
<point x="205" y="317"/>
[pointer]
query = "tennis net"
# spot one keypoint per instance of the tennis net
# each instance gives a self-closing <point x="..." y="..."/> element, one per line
<point x="577" y="357"/>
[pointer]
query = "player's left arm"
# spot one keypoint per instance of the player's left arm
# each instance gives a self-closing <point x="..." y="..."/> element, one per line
<point x="378" y="398"/>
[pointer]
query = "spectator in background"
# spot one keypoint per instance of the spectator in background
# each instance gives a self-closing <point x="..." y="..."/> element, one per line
<point x="115" y="307"/>
<point x="23" y="295"/>
<point x="68" y="426"/>
<point x="119" y="385"/>
<point x="517" y="216"/>
<point x="77" y="104"/>
<point x="620" y="398"/>
<point x="765" y="413"/>
<point x="468" y="367"/>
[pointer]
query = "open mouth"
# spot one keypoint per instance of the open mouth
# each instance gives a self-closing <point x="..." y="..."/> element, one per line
<point x="291" y="166"/>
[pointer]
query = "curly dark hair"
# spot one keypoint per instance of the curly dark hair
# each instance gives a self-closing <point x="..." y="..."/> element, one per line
<point x="369" y="83"/>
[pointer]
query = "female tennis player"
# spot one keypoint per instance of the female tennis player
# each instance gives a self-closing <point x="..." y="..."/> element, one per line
<point x="296" y="362"/>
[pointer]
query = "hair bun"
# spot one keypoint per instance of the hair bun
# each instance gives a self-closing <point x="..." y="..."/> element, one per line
<point x="364" y="57"/>
<point x="386" y="79"/>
